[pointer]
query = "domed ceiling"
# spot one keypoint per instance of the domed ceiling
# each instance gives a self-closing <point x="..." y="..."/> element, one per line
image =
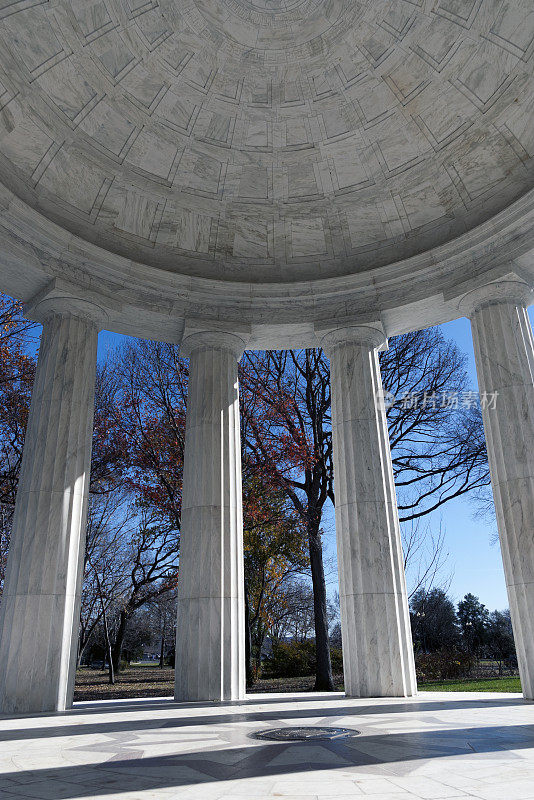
<point x="267" y="140"/>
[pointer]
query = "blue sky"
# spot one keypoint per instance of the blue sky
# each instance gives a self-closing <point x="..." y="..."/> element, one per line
<point x="474" y="561"/>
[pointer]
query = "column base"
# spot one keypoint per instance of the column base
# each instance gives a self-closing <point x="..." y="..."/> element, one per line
<point x="209" y="663"/>
<point x="36" y="677"/>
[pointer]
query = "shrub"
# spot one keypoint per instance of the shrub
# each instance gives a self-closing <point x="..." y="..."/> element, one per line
<point x="290" y="660"/>
<point x="336" y="656"/>
<point x="443" y="665"/>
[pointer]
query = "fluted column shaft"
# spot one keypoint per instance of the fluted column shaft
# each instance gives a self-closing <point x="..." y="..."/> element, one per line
<point x="210" y="646"/>
<point x="375" y="622"/>
<point x="40" y="609"/>
<point x="504" y="354"/>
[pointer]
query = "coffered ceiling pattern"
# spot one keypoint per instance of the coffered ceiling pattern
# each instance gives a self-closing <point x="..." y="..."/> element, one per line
<point x="267" y="140"/>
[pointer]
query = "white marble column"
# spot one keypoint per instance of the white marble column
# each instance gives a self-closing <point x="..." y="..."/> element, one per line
<point x="40" y="609"/>
<point x="210" y="636"/>
<point x="504" y="353"/>
<point x="375" y="623"/>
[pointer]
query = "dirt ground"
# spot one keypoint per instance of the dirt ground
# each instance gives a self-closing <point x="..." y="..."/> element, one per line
<point x="151" y="681"/>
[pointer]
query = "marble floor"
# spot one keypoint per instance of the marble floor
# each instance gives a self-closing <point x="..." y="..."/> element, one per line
<point x="447" y="745"/>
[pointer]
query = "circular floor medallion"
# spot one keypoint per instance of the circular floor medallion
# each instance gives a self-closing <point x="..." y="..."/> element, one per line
<point x="305" y="734"/>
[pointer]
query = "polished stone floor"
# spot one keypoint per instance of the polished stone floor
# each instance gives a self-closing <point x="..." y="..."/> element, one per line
<point x="444" y="745"/>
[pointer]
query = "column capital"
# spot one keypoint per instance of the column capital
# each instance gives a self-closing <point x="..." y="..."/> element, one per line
<point x="64" y="299"/>
<point x="371" y="334"/>
<point x="508" y="289"/>
<point x="210" y="339"/>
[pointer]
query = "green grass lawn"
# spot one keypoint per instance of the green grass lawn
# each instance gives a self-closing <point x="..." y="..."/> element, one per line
<point x="466" y="685"/>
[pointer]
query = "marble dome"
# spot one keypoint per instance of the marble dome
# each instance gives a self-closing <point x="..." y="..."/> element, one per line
<point x="267" y="142"/>
<point x="232" y="175"/>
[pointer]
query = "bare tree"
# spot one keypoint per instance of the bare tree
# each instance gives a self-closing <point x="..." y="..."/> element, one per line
<point x="111" y="522"/>
<point x="286" y="408"/>
<point x="435" y="425"/>
<point x="152" y="556"/>
<point x="437" y="441"/>
<point x="425" y="557"/>
<point x="163" y="618"/>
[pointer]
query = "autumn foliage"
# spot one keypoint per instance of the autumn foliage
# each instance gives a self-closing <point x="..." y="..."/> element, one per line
<point x="133" y="541"/>
<point x="17" y="369"/>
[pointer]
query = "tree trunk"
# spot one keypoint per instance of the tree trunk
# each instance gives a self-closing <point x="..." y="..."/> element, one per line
<point x="111" y="671"/>
<point x="79" y="652"/>
<point x="162" y="650"/>
<point x="248" y="643"/>
<point x="82" y="644"/>
<point x="324" y="680"/>
<point x="119" y="640"/>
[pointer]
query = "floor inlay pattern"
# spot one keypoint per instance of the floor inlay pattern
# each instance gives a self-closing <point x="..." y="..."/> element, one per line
<point x="305" y="733"/>
<point x="435" y="746"/>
